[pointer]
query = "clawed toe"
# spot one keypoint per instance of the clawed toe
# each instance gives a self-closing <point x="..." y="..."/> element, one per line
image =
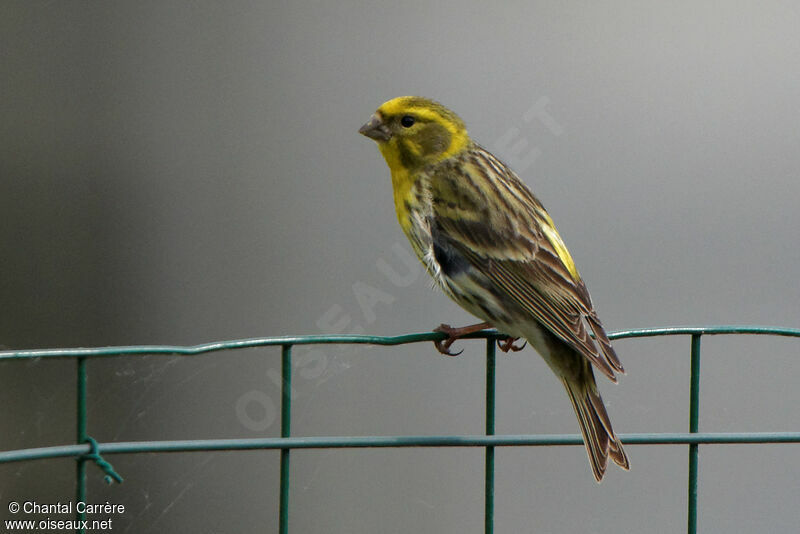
<point x="443" y="345"/>
<point x="507" y="344"/>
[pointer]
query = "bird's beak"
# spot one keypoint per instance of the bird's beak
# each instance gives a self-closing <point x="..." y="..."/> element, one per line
<point x="376" y="129"/>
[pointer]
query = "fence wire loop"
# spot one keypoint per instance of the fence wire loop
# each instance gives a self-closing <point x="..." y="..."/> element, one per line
<point x="95" y="456"/>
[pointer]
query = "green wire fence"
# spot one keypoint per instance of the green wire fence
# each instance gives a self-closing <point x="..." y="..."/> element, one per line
<point x="88" y="450"/>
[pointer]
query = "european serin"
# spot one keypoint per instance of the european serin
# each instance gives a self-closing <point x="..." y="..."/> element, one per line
<point x="492" y="247"/>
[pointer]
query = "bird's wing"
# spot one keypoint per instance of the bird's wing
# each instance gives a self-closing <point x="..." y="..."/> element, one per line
<point x="482" y="209"/>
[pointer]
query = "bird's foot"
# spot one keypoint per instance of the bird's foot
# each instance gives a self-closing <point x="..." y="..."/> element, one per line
<point x="507" y="344"/>
<point x="443" y="345"/>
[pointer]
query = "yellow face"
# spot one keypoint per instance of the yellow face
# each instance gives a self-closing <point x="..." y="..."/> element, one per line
<point x="412" y="132"/>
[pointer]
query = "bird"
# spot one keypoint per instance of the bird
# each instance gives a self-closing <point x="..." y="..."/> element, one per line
<point x="490" y="245"/>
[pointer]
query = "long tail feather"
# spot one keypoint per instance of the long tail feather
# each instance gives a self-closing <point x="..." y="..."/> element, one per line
<point x="601" y="442"/>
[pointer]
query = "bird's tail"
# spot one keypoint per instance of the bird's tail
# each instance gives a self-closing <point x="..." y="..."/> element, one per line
<point x="601" y="442"/>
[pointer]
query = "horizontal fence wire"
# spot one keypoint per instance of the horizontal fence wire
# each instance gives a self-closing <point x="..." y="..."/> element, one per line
<point x="167" y="350"/>
<point x="361" y="442"/>
<point x="87" y="449"/>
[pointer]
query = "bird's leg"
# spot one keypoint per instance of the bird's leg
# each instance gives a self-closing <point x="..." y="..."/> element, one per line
<point x="443" y="345"/>
<point x="507" y="344"/>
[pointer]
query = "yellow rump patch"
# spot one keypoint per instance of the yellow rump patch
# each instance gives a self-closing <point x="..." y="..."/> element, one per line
<point x="550" y="232"/>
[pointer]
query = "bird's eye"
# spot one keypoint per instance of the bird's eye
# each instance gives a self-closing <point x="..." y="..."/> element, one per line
<point x="407" y="121"/>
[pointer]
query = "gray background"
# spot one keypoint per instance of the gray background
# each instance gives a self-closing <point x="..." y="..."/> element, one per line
<point x="188" y="172"/>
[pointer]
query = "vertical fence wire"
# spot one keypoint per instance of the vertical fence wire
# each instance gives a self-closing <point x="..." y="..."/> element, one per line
<point x="286" y="421"/>
<point x="490" y="405"/>
<point x="81" y="435"/>
<point x="694" y="418"/>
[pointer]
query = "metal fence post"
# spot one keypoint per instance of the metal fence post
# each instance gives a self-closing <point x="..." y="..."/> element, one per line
<point x="694" y="417"/>
<point x="490" y="405"/>
<point x="286" y="420"/>
<point x="80" y="493"/>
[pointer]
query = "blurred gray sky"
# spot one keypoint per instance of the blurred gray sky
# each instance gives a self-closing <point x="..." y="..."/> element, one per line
<point x="187" y="172"/>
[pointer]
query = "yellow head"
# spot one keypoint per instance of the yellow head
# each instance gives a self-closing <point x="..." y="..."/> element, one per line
<point x="412" y="132"/>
